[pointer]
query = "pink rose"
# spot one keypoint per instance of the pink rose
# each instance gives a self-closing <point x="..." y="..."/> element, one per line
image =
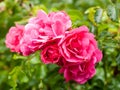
<point x="60" y="22"/>
<point x="80" y="52"/>
<point x="80" y="46"/>
<point x="41" y="29"/>
<point x="79" y="72"/>
<point x="33" y="39"/>
<point x="53" y="24"/>
<point x="40" y="19"/>
<point x="13" y="38"/>
<point x="50" y="52"/>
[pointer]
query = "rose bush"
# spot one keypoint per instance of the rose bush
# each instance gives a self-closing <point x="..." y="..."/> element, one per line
<point x="75" y="50"/>
<point x="29" y="73"/>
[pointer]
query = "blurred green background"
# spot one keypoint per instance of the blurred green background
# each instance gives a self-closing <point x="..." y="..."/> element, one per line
<point x="29" y="73"/>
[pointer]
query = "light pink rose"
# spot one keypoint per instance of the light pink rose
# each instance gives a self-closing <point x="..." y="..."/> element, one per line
<point x="60" y="22"/>
<point x="33" y="39"/>
<point x="13" y="38"/>
<point x="80" y="46"/>
<point x="40" y="19"/>
<point x="54" y="24"/>
<point x="78" y="72"/>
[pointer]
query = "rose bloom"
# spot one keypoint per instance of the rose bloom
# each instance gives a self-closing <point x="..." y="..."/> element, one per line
<point x="79" y="45"/>
<point x="80" y="52"/>
<point x="60" y="22"/>
<point x="78" y="72"/>
<point x="33" y="39"/>
<point x="50" y="52"/>
<point x="13" y="38"/>
<point x="56" y="23"/>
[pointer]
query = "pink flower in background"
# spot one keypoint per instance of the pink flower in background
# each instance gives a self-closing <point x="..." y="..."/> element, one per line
<point x="80" y="46"/>
<point x="78" y="72"/>
<point x="13" y="38"/>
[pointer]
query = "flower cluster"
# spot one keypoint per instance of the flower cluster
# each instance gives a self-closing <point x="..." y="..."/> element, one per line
<point x="74" y="50"/>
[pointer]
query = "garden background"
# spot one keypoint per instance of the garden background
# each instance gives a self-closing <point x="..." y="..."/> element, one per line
<point x="29" y="73"/>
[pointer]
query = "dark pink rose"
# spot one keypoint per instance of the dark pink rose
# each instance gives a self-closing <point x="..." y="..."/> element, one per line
<point x="50" y="52"/>
<point x="80" y="46"/>
<point x="13" y="38"/>
<point x="78" y="72"/>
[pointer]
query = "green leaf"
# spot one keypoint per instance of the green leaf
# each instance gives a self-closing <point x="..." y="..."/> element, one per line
<point x="3" y="76"/>
<point x="91" y="14"/>
<point x="35" y="58"/>
<point x="35" y="9"/>
<point x="118" y="60"/>
<point x="104" y="16"/>
<point x="111" y="11"/>
<point x="16" y="57"/>
<point x="17" y="76"/>
<point x="13" y="77"/>
<point x="22" y="77"/>
<point x="98" y="15"/>
<point x="41" y="85"/>
<point x="93" y="29"/>
<point x="43" y="71"/>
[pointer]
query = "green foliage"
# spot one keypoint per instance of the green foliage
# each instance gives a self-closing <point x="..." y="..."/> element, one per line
<point x="98" y="15"/>
<point x="29" y="73"/>
<point x="112" y="12"/>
